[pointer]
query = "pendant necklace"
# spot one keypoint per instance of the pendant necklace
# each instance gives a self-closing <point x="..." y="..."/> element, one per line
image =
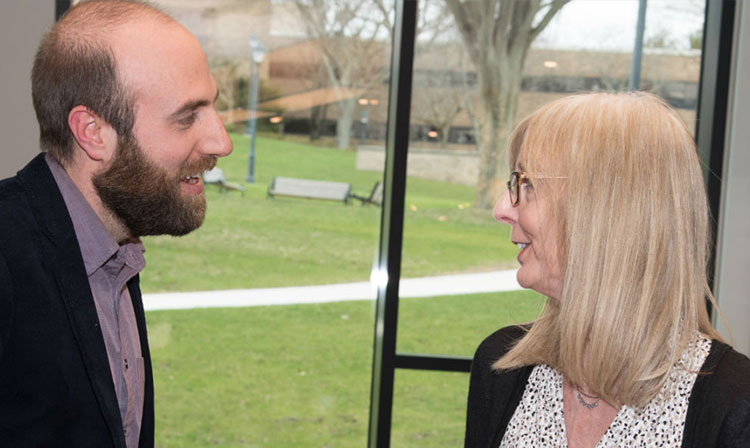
<point x="588" y="405"/>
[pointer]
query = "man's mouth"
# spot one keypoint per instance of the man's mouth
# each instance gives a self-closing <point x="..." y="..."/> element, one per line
<point x="191" y="179"/>
<point x="522" y="246"/>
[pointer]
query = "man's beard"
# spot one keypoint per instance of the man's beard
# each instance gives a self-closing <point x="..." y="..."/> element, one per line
<point x="147" y="198"/>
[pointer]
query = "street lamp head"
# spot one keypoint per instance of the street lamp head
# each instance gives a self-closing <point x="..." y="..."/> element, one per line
<point x="257" y="50"/>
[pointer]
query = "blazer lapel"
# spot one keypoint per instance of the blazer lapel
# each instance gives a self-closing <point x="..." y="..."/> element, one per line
<point x="147" y="421"/>
<point x="66" y="262"/>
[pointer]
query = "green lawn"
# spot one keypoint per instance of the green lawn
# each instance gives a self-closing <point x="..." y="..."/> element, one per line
<point x="299" y="376"/>
<point x="249" y="241"/>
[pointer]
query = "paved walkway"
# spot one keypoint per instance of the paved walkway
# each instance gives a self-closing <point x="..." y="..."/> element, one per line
<point x="411" y="287"/>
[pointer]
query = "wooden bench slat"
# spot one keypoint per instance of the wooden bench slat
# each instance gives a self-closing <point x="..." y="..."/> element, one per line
<point x="308" y="188"/>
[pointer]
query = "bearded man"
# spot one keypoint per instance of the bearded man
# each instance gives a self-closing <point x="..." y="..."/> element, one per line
<point x="125" y="104"/>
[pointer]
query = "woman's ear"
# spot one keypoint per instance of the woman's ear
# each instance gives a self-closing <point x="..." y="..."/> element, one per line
<point x="94" y="136"/>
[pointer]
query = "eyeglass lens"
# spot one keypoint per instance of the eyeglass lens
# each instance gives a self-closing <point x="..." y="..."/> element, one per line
<point x="513" y="188"/>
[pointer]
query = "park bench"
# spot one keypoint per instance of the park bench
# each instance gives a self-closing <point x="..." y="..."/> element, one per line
<point x="215" y="176"/>
<point x="375" y="197"/>
<point x="309" y="189"/>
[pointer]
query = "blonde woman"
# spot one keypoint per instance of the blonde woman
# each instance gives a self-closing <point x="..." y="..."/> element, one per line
<point x="607" y="206"/>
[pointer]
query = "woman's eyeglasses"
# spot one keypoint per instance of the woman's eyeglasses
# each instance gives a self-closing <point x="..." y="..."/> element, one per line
<point x="519" y="178"/>
<point x="516" y="180"/>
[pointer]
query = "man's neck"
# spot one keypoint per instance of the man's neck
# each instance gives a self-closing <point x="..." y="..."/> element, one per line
<point x="82" y="174"/>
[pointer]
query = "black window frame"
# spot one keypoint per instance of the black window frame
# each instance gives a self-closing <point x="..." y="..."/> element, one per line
<point x="713" y="99"/>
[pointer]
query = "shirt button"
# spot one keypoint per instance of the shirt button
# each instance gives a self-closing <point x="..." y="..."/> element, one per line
<point x="126" y="364"/>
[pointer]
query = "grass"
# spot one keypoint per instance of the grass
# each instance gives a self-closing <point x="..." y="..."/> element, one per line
<point x="300" y="375"/>
<point x="289" y="376"/>
<point x="249" y="241"/>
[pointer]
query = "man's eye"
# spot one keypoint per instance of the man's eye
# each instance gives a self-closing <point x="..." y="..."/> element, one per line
<point x="187" y="121"/>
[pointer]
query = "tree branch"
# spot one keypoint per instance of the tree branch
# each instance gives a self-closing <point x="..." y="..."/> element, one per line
<point x="503" y="28"/>
<point x="386" y="13"/>
<point x="554" y="7"/>
<point x="467" y="25"/>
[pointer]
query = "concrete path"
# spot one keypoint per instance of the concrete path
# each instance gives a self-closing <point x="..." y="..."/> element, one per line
<point x="412" y="287"/>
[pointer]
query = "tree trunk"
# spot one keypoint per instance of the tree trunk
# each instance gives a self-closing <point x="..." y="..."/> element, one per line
<point x="317" y="117"/>
<point x="500" y="92"/>
<point x="497" y="35"/>
<point x="344" y="123"/>
<point x="444" y="134"/>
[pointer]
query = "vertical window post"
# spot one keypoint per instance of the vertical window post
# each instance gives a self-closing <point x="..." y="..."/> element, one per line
<point x="388" y="268"/>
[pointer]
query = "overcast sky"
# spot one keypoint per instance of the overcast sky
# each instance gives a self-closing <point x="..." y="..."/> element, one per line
<point x="610" y="24"/>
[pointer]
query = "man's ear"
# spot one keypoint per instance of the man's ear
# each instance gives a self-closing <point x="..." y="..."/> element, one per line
<point x="94" y="136"/>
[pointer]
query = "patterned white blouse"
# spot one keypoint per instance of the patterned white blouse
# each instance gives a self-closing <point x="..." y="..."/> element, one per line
<point x="539" y="420"/>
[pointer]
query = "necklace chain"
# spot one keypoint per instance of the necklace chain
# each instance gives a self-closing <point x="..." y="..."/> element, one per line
<point x="585" y="403"/>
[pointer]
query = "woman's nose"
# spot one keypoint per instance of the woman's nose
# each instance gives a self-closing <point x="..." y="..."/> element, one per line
<point x="504" y="211"/>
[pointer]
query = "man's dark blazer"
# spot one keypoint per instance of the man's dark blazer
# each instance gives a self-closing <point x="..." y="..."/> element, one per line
<point x="56" y="388"/>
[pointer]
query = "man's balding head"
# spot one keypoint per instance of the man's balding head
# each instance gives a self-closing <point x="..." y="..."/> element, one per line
<point x="76" y="65"/>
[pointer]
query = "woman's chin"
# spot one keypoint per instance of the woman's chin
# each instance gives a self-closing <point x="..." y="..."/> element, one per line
<point x="523" y="280"/>
<point x="542" y="281"/>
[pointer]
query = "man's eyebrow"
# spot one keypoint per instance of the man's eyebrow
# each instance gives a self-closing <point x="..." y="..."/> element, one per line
<point x="191" y="106"/>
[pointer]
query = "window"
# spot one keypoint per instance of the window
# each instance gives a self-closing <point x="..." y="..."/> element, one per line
<point x="315" y="80"/>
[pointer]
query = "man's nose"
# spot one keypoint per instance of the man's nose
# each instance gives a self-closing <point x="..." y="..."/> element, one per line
<point x="216" y="141"/>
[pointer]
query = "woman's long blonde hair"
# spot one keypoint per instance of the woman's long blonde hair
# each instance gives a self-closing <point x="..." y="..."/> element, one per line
<point x="634" y="224"/>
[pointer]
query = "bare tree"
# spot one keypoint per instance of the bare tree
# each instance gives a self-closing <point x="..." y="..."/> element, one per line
<point x="438" y="110"/>
<point x="351" y="35"/>
<point x="688" y="13"/>
<point x="355" y="37"/>
<point x="441" y="110"/>
<point x="497" y="35"/>
<point x="225" y="74"/>
<point x="439" y="92"/>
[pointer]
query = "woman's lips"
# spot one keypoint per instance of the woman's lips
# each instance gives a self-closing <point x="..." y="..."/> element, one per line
<point x="523" y="247"/>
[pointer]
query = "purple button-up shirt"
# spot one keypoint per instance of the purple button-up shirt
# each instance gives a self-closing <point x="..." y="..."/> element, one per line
<point x="109" y="267"/>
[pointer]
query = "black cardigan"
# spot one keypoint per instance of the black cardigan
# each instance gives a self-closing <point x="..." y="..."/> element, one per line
<point x="718" y="411"/>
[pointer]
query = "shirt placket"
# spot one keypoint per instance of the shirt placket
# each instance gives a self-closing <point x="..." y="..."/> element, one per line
<point x="130" y="355"/>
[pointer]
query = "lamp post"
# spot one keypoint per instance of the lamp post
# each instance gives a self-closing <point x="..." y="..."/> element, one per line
<point x="363" y="120"/>
<point x="634" y="82"/>
<point x="364" y="116"/>
<point x="257" y="53"/>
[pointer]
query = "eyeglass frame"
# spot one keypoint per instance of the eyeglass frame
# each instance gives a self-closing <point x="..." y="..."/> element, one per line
<point x="522" y="178"/>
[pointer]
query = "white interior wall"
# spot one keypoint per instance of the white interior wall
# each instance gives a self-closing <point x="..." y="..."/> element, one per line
<point x="22" y="24"/>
